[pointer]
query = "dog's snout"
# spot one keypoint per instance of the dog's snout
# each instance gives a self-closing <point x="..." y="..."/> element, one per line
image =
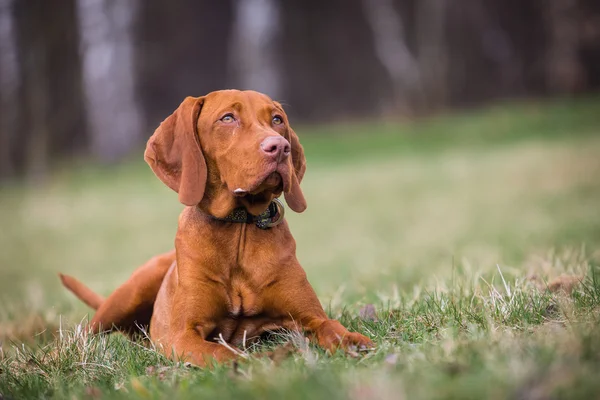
<point x="276" y="147"/>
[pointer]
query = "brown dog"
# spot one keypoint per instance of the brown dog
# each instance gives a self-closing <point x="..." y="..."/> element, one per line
<point x="233" y="273"/>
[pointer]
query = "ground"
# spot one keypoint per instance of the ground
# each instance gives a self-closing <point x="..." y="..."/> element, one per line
<point x="467" y="246"/>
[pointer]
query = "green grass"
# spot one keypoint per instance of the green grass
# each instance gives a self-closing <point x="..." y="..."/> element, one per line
<point x="451" y="226"/>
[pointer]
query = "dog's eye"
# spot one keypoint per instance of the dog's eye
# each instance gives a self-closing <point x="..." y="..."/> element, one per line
<point x="277" y="120"/>
<point x="228" y="118"/>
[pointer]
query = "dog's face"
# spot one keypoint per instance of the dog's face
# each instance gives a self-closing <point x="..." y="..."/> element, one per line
<point x="226" y="149"/>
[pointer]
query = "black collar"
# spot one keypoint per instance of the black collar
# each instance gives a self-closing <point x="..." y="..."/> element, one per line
<point x="272" y="216"/>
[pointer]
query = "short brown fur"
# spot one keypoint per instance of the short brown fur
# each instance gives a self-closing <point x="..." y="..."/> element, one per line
<point x="224" y="279"/>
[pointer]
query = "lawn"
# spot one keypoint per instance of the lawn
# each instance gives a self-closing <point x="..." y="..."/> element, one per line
<point x="475" y="236"/>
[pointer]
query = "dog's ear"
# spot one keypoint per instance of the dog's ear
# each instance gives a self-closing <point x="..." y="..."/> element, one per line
<point x="294" y="197"/>
<point x="174" y="153"/>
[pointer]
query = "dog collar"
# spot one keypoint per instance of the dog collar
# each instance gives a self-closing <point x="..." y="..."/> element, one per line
<point x="271" y="217"/>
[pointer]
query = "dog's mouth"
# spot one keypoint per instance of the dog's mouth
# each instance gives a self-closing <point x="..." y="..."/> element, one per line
<point x="273" y="181"/>
<point x="257" y="197"/>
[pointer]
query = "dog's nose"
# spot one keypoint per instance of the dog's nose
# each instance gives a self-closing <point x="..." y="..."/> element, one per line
<point x="276" y="147"/>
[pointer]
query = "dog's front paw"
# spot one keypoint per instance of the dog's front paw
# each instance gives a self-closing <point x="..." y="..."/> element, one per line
<point x="332" y="335"/>
<point x="356" y="341"/>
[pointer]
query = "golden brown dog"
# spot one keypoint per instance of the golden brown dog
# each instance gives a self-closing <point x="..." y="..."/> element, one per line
<point x="233" y="273"/>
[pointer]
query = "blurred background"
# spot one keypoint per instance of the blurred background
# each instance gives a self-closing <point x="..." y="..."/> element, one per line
<point x="95" y="77"/>
<point x="439" y="136"/>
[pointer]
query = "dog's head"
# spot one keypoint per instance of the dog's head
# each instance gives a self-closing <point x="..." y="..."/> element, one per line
<point x="228" y="149"/>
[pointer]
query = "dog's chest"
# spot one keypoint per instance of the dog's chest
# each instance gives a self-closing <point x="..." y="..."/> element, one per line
<point x="246" y="315"/>
<point x="256" y="267"/>
<point x="243" y="299"/>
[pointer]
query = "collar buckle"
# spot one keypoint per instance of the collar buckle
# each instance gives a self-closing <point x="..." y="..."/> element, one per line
<point x="268" y="222"/>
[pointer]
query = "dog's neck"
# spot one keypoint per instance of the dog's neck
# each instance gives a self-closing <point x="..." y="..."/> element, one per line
<point x="271" y="217"/>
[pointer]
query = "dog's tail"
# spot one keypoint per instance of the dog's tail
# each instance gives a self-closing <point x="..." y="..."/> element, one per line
<point x="83" y="292"/>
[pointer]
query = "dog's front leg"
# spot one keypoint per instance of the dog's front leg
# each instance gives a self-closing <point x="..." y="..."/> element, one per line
<point x="293" y="297"/>
<point x="196" y="309"/>
<point x="189" y="345"/>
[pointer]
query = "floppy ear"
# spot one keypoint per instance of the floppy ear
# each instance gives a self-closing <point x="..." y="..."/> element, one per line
<point x="174" y="154"/>
<point x="294" y="197"/>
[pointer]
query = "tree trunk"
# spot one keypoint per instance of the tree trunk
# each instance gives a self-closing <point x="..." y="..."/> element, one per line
<point x="181" y="50"/>
<point x="113" y="114"/>
<point x="330" y="64"/>
<point x="564" y="74"/>
<point x="252" y="51"/>
<point x="431" y="50"/>
<point x="393" y="53"/>
<point x="33" y="50"/>
<point x="9" y="78"/>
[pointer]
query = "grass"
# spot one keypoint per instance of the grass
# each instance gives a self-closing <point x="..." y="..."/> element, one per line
<point x="476" y="236"/>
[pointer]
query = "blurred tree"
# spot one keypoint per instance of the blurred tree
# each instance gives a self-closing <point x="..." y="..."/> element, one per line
<point x="432" y="52"/>
<point x="50" y="100"/>
<point x="33" y="60"/>
<point x="493" y="47"/>
<point x="253" y="56"/>
<point x="589" y="34"/>
<point x="565" y="73"/>
<point x="391" y="45"/>
<point x="182" y="49"/>
<point x="9" y="79"/>
<point x="328" y="61"/>
<point x="113" y="113"/>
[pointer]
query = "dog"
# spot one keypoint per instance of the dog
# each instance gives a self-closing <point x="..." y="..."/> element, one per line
<point x="234" y="273"/>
